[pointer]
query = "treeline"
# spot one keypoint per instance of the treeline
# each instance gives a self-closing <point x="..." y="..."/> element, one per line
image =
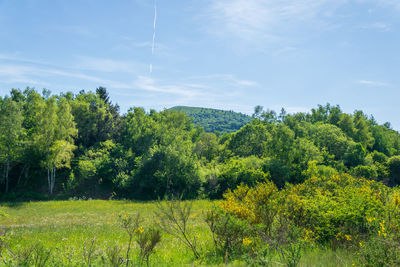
<point x="69" y="145"/>
<point x="215" y="120"/>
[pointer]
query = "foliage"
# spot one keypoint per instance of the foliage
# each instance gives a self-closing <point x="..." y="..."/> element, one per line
<point x="235" y="172"/>
<point x="338" y="205"/>
<point x="230" y="234"/>
<point x="147" y="240"/>
<point x="96" y="152"/>
<point x="215" y="120"/>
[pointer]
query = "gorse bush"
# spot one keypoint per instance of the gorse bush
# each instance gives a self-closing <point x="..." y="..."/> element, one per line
<point x="336" y="211"/>
<point x="339" y="204"/>
<point x="260" y="225"/>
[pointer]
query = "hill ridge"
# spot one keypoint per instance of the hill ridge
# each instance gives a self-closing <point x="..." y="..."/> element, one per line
<point x="213" y="120"/>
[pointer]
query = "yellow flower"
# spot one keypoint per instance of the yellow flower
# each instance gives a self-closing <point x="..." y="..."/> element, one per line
<point x="361" y="244"/>
<point x="139" y="230"/>
<point x="247" y="241"/>
<point x="348" y="237"/>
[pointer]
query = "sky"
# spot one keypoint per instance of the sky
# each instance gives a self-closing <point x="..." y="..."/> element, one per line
<point x="225" y="54"/>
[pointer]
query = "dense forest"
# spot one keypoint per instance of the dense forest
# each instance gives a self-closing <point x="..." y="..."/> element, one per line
<point x="79" y="145"/>
<point x="215" y="120"/>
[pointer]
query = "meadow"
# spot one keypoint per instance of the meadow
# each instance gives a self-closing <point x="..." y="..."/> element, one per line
<point x="67" y="229"/>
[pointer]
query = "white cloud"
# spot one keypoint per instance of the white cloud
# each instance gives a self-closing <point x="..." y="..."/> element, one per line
<point x="380" y="26"/>
<point x="250" y="19"/>
<point x="227" y="79"/>
<point x="215" y="88"/>
<point x="373" y="83"/>
<point x="151" y="85"/>
<point x="107" y="65"/>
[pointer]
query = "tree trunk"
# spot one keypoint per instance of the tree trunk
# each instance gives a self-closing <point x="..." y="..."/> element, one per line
<point x="53" y="180"/>
<point x="48" y="178"/>
<point x="7" y="171"/>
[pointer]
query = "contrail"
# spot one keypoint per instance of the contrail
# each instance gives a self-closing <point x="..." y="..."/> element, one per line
<point x="154" y="34"/>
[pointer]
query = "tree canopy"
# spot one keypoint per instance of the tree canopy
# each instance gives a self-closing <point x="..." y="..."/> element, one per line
<point x="72" y="145"/>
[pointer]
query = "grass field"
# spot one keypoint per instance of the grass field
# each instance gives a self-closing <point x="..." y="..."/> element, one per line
<point x="67" y="227"/>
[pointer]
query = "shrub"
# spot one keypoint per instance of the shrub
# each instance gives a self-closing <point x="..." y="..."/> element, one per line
<point x="173" y="218"/>
<point x="368" y="172"/>
<point x="258" y="205"/>
<point x="246" y="171"/>
<point x="333" y="206"/>
<point x="231" y="235"/>
<point x="147" y="240"/>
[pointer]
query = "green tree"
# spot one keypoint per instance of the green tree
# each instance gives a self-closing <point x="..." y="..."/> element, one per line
<point x="95" y="119"/>
<point x="331" y="138"/>
<point x="252" y="139"/>
<point x="167" y="171"/>
<point x="11" y="134"/>
<point x="207" y="146"/>
<point x="355" y="155"/>
<point x="54" y="136"/>
<point x="362" y="131"/>
<point x="281" y="144"/>
<point x="346" y="124"/>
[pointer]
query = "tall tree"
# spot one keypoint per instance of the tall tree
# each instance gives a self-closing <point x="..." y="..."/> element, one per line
<point x="54" y="136"/>
<point x="363" y="134"/>
<point x="346" y="124"/>
<point x="96" y="120"/>
<point x="11" y="133"/>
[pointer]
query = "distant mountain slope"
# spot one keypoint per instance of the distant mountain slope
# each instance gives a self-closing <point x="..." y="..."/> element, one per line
<point x="215" y="119"/>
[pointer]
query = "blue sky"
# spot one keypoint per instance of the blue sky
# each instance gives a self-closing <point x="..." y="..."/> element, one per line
<point x="227" y="54"/>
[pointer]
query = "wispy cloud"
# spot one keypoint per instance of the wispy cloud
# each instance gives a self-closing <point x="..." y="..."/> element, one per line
<point x="249" y="19"/>
<point x="228" y="79"/>
<point x="380" y="26"/>
<point x="152" y="85"/>
<point x="107" y="65"/>
<point x="210" y="90"/>
<point x="44" y="76"/>
<point x="373" y="83"/>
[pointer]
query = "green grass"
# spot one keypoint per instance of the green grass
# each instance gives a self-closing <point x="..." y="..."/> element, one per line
<point x="65" y="227"/>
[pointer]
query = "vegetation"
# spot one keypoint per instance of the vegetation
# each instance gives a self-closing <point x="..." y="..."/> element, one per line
<point x="90" y="233"/>
<point x="215" y="120"/>
<point x="342" y="221"/>
<point x="286" y="187"/>
<point x="61" y="146"/>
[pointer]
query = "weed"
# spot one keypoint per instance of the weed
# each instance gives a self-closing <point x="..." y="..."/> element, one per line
<point x="173" y="217"/>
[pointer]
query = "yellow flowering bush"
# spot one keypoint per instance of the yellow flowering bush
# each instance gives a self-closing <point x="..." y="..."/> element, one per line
<point x="257" y="205"/>
<point x="330" y="205"/>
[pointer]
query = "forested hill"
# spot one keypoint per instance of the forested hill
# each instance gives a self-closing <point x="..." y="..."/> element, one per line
<point x="213" y="120"/>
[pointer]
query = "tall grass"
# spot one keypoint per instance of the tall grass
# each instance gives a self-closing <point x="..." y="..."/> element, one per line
<point x="67" y="228"/>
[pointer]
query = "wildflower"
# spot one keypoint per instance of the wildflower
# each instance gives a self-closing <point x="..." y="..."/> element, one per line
<point x="247" y="241"/>
<point x="139" y="230"/>
<point x="348" y="237"/>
